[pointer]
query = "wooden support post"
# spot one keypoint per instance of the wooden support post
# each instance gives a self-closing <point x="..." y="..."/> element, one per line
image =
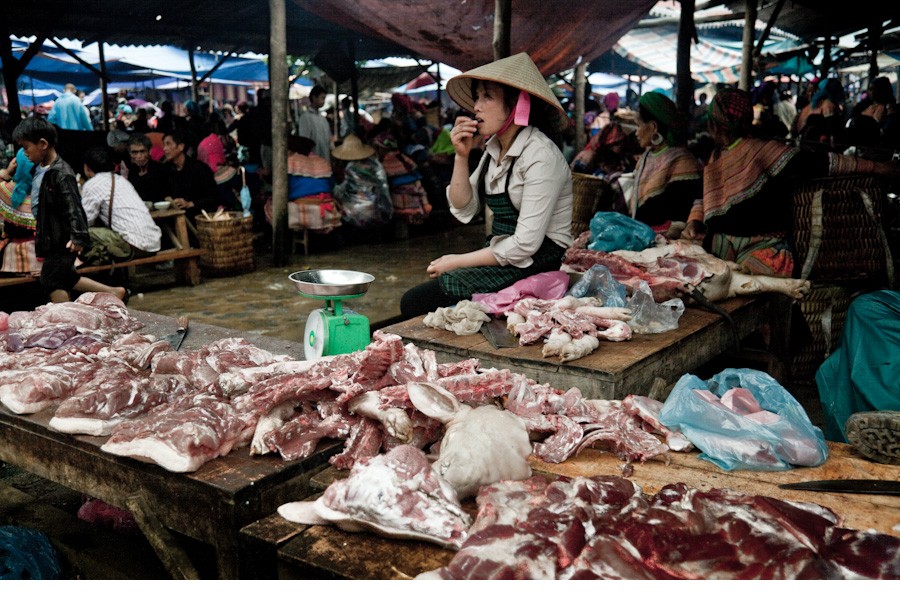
<point x="161" y="539"/>
<point x="194" y="94"/>
<point x="278" y="86"/>
<point x="502" y="28"/>
<point x="104" y="89"/>
<point x="684" y="87"/>
<point x="747" y="54"/>
<point x="580" y="91"/>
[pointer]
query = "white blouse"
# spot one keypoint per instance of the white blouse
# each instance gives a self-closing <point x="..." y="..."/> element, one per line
<point x="540" y="189"/>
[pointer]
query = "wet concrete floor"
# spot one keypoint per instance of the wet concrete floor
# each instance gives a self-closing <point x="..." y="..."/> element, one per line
<point x="266" y="302"/>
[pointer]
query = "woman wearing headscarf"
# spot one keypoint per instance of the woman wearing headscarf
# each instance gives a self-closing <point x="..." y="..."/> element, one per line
<point x="523" y="178"/>
<point x="17" y="241"/>
<point x="745" y="214"/>
<point x="667" y="178"/>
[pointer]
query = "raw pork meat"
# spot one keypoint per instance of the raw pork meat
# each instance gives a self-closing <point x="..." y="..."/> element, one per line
<point x="181" y="436"/>
<point x="605" y="528"/>
<point x="395" y="494"/>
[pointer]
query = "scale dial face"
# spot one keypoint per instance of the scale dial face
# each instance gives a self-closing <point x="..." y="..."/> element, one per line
<point x="315" y="335"/>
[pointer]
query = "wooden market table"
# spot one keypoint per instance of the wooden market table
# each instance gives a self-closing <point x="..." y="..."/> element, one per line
<point x="616" y="369"/>
<point x="290" y="550"/>
<point x="209" y="505"/>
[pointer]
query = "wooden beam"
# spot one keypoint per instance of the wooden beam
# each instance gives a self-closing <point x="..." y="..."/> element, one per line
<point x="104" y="93"/>
<point x="580" y="90"/>
<point x="218" y="64"/>
<point x="193" y="73"/>
<point x="768" y="30"/>
<point x="684" y="87"/>
<point x="80" y="60"/>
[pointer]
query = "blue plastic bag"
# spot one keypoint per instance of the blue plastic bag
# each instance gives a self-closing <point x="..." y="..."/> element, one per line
<point x="598" y="282"/>
<point x="731" y="440"/>
<point x="614" y="231"/>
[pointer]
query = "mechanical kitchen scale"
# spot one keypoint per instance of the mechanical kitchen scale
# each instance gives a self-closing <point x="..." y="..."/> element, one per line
<point x="333" y="329"/>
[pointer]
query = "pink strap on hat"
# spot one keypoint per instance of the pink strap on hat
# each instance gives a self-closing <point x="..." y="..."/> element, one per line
<point x="520" y="113"/>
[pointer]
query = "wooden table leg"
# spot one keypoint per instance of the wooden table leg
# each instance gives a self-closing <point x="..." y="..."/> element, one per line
<point x="164" y="543"/>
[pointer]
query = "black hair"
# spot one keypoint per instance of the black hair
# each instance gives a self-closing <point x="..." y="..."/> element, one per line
<point x="542" y="115"/>
<point x="316" y="91"/>
<point x="140" y="139"/>
<point x="178" y="137"/>
<point x="98" y="159"/>
<point x="35" y="129"/>
<point x="647" y="117"/>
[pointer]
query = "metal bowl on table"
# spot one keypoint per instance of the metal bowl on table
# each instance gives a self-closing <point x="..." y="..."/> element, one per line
<point x="331" y="282"/>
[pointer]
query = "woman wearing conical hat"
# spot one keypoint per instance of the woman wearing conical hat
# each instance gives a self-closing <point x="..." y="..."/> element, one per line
<point x="523" y="178"/>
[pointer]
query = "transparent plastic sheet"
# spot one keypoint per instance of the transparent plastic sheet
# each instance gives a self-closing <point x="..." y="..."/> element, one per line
<point x="777" y="438"/>
<point x="649" y="317"/>
<point x="597" y="282"/>
<point x="614" y="231"/>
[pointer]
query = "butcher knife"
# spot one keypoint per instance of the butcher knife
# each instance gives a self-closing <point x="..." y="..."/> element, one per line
<point x="498" y="335"/>
<point x="176" y="338"/>
<point x="848" y="486"/>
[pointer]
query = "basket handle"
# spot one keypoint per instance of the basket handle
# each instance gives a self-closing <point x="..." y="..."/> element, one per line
<point x="882" y="236"/>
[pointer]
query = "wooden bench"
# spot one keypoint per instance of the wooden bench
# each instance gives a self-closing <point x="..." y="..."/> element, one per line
<point x="187" y="267"/>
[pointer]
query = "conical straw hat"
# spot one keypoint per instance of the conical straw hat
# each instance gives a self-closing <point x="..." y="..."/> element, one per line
<point x="517" y="71"/>
<point x="352" y="149"/>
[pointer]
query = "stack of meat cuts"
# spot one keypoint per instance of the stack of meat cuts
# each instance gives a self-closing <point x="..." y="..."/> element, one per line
<point x="181" y="409"/>
<point x="606" y="528"/>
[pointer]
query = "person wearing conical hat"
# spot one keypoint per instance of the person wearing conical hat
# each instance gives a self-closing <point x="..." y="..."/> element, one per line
<point x="522" y="177"/>
<point x="363" y="192"/>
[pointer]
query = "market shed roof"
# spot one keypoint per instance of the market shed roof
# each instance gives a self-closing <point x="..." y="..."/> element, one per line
<point x="218" y="25"/>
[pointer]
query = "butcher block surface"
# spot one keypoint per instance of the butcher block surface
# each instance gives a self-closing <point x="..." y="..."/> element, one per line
<point x="615" y="369"/>
<point x="292" y="550"/>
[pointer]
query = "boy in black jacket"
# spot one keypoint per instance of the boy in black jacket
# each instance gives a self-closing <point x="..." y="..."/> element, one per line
<point x="62" y="227"/>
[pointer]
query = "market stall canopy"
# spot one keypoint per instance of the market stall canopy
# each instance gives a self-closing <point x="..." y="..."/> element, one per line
<point x="460" y="33"/>
<point x="219" y="25"/>
<point x="652" y="49"/>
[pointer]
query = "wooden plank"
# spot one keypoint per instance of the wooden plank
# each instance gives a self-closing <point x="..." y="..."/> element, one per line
<point x="615" y="369"/>
<point x="187" y="256"/>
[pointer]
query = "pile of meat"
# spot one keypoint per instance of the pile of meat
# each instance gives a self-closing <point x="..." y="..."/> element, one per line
<point x="86" y="361"/>
<point x="672" y="268"/>
<point x="606" y="528"/>
<point x="569" y="327"/>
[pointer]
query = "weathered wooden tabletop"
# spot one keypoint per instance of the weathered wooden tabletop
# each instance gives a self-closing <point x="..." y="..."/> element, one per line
<point x="615" y="369"/>
<point x="291" y="550"/>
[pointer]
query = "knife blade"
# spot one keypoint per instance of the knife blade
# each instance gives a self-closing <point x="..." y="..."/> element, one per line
<point x="176" y="338"/>
<point x="847" y="486"/>
<point x="498" y="335"/>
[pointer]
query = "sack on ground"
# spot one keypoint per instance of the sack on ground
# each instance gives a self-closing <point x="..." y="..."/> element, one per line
<point x="107" y="246"/>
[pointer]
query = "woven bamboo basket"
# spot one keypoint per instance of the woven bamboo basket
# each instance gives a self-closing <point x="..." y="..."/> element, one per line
<point x="841" y="233"/>
<point x="227" y="245"/>
<point x="825" y="310"/>
<point x="589" y="195"/>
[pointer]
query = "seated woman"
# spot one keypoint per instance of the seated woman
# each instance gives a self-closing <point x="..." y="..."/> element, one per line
<point x="667" y="178"/>
<point x="745" y="213"/>
<point x="523" y="177"/>
<point x="17" y="241"/>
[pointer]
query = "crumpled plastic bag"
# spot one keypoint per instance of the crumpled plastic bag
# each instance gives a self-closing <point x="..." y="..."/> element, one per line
<point x="612" y="231"/>
<point x="649" y="317"/>
<point x="778" y="437"/>
<point x="598" y="282"/>
<point x="551" y="285"/>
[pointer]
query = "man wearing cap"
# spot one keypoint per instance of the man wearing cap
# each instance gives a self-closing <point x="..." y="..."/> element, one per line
<point x="523" y="178"/>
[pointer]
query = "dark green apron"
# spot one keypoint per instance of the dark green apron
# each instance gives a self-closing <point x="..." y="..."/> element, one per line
<point x="463" y="283"/>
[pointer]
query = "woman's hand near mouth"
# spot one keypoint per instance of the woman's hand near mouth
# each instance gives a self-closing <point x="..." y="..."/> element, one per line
<point x="463" y="135"/>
